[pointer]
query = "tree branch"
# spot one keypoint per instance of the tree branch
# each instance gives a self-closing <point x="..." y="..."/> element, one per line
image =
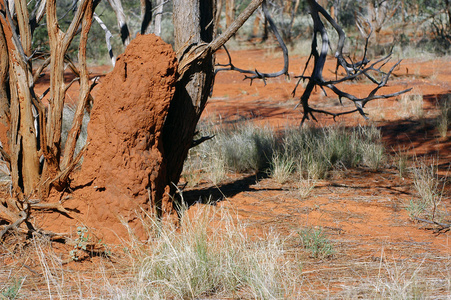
<point x="256" y="74"/>
<point x="201" y="51"/>
<point x="353" y="70"/>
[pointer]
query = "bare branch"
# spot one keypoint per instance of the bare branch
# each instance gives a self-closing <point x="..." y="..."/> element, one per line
<point x="203" y="50"/>
<point x="108" y="37"/>
<point x="116" y="5"/>
<point x="41" y="68"/>
<point x="353" y="70"/>
<point x="256" y="74"/>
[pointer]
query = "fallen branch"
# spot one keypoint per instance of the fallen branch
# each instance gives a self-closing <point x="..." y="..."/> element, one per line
<point x="58" y="206"/>
<point x="23" y="216"/>
<point x="441" y="227"/>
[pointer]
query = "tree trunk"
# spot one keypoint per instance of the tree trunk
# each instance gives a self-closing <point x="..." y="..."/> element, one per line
<point x="84" y="90"/>
<point x="116" y="5"/>
<point x="158" y="17"/>
<point x="230" y="12"/>
<point x="192" y="25"/>
<point x="59" y="42"/>
<point x="22" y="135"/>
<point x="4" y="93"/>
<point x="146" y="16"/>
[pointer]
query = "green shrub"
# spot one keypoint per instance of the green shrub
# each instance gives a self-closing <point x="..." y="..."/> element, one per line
<point x="315" y="241"/>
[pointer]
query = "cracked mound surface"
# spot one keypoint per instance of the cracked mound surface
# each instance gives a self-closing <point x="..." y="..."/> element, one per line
<point x="124" y="156"/>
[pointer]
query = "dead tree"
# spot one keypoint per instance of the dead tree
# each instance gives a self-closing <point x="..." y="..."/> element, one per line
<point x="319" y="53"/>
<point x="352" y="69"/>
<point x="32" y="147"/>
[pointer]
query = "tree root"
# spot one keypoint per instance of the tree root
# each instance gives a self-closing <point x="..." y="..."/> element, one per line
<point x="16" y="219"/>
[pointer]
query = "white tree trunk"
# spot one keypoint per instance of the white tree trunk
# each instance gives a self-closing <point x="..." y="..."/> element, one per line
<point x="158" y="17"/>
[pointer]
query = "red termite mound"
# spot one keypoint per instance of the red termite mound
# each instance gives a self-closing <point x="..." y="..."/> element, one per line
<point x="124" y="159"/>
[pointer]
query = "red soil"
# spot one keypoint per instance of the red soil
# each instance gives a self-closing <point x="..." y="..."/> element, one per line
<point x="363" y="212"/>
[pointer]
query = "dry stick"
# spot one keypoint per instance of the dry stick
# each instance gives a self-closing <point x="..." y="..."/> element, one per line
<point x="50" y="206"/>
<point x="23" y="215"/>
<point x="201" y="51"/>
<point x="256" y="74"/>
<point x="443" y="226"/>
<point x="40" y="69"/>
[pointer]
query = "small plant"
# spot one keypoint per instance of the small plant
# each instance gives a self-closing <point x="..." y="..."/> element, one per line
<point x="281" y="168"/>
<point x="11" y="291"/>
<point x="400" y="161"/>
<point x="416" y="208"/>
<point x="399" y="281"/>
<point x="411" y="105"/>
<point x="315" y="240"/>
<point x="247" y="149"/>
<point x="306" y="186"/>
<point x="427" y="184"/>
<point x="370" y="147"/>
<point x="80" y="242"/>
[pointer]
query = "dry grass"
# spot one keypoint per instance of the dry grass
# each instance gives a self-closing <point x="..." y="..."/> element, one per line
<point x="411" y="105"/>
<point x="197" y="260"/>
<point x="311" y="152"/>
<point x="213" y="256"/>
<point x="429" y="188"/>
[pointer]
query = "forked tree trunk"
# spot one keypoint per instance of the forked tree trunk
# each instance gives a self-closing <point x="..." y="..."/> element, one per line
<point x="22" y="141"/>
<point x="192" y="25"/>
<point x="59" y="42"/>
<point x="84" y="91"/>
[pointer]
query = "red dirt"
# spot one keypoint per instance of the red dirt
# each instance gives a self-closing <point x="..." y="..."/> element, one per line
<point x="234" y="101"/>
<point x="362" y="211"/>
<point x="123" y="154"/>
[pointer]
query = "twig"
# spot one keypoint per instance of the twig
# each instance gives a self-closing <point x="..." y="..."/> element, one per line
<point x="256" y="74"/>
<point x="443" y="227"/>
<point x="23" y="215"/>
